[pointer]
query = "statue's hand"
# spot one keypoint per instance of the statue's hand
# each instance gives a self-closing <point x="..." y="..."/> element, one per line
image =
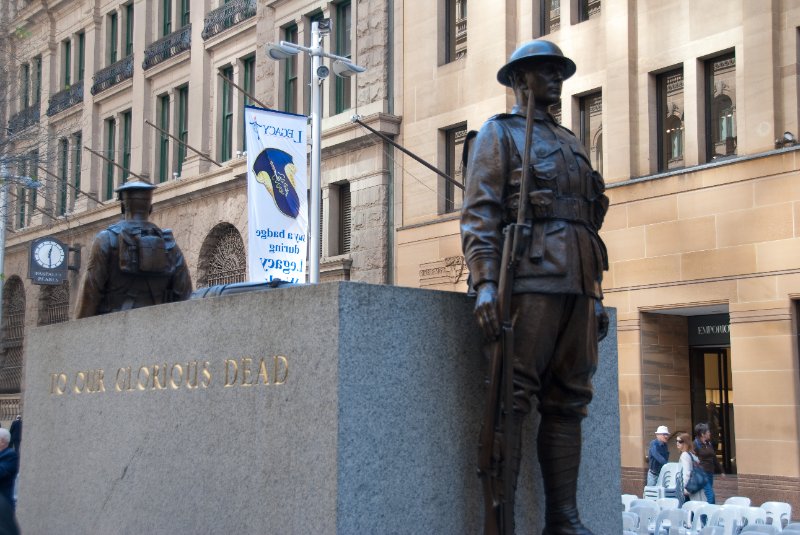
<point x="602" y="320"/>
<point x="486" y="310"/>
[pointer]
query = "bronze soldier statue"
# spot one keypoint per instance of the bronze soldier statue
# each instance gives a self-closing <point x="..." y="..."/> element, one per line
<point x="133" y="263"/>
<point x="532" y="209"/>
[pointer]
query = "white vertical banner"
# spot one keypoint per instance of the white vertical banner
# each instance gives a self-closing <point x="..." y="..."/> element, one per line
<point x="277" y="195"/>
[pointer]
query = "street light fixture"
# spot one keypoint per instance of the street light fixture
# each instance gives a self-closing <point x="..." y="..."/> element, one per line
<point x="342" y="67"/>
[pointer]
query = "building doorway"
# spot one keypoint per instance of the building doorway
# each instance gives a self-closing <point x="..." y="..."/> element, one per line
<point x="712" y="399"/>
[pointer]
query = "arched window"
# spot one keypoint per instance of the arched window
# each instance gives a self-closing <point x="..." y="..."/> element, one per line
<point x="13" y="336"/>
<point x="222" y="257"/>
<point x="54" y="304"/>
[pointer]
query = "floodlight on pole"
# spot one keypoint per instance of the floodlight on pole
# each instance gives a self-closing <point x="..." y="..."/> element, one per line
<point x="342" y="67"/>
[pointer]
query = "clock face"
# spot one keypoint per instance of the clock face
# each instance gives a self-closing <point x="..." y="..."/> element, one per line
<point x="49" y="254"/>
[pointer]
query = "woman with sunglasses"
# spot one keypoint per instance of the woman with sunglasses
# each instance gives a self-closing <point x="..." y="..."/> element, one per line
<point x="689" y="462"/>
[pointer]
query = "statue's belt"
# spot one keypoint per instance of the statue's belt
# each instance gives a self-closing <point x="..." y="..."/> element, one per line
<point x="547" y="207"/>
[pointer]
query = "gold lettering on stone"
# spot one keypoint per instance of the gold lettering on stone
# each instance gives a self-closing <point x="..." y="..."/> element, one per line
<point x="230" y="381"/>
<point x="159" y="372"/>
<point x="280" y="359"/>
<point x="80" y="376"/>
<point x="58" y="383"/>
<point x="206" y="373"/>
<point x="172" y="382"/>
<point x="139" y="384"/>
<point x="119" y="386"/>
<point x="246" y="372"/>
<point x="263" y="376"/>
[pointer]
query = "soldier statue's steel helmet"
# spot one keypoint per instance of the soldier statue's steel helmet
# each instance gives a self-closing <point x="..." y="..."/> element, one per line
<point x="133" y="186"/>
<point x="536" y="50"/>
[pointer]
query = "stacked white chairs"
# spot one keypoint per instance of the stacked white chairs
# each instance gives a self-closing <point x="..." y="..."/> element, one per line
<point x="761" y="528"/>
<point x="641" y="502"/>
<point x="628" y="532"/>
<point x="627" y="499"/>
<point x="738" y="500"/>
<point x="778" y="513"/>
<point x="755" y="516"/>
<point x="711" y="530"/>
<point x="630" y="521"/>
<point x="702" y="516"/>
<point x="793" y="525"/>
<point x="666" y="485"/>
<point x="728" y="518"/>
<point x="647" y="515"/>
<point x="675" y="521"/>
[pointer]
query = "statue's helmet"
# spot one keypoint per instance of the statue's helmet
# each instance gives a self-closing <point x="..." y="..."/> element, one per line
<point x="133" y="186"/>
<point x="531" y="52"/>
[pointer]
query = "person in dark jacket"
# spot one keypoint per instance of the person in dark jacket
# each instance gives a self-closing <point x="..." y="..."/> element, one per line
<point x="657" y="454"/>
<point x="707" y="453"/>
<point x="9" y="466"/>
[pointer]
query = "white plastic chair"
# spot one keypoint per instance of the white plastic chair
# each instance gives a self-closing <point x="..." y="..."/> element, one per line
<point x="728" y="519"/>
<point x="711" y="530"/>
<point x="790" y="532"/>
<point x="738" y="500"/>
<point x="627" y="499"/>
<point x="739" y="510"/>
<point x="675" y="518"/>
<point x="668" y="503"/>
<point x="630" y="521"/>
<point x="761" y="528"/>
<point x="629" y="532"/>
<point x="641" y="502"/>
<point x="690" y="508"/>
<point x="647" y="515"/>
<point x="778" y="513"/>
<point x="702" y="516"/>
<point x="755" y="516"/>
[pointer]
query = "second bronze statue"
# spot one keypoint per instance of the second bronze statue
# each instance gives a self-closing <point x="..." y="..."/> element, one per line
<point x="530" y="186"/>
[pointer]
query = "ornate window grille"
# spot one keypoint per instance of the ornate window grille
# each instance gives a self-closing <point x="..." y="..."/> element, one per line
<point x="22" y="120"/>
<point x="66" y="99"/>
<point x="9" y="408"/>
<point x="227" y="16"/>
<point x="13" y="336"/>
<point x="55" y="304"/>
<point x="227" y="263"/>
<point x="112" y="75"/>
<point x="168" y="46"/>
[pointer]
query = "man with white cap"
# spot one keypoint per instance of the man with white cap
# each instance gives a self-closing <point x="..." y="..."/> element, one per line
<point x="657" y="454"/>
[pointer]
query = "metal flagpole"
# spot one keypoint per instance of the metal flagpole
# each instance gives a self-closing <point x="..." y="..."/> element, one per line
<point x="316" y="154"/>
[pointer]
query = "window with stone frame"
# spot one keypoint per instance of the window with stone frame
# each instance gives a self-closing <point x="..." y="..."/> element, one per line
<point x="345" y="218"/>
<point x="11" y="355"/>
<point x="344" y="35"/>
<point x="455" y="30"/>
<point x="454" y="149"/>
<point x="226" y="115"/>
<point x="110" y="127"/>
<point x="290" y="73"/>
<point x="66" y="63"/>
<point x="112" y="36"/>
<point x="669" y="86"/>
<point x="222" y="257"/>
<point x="591" y="128"/>
<point x="550" y="16"/>
<point x="163" y="139"/>
<point x="127" y="124"/>
<point x="588" y="9"/>
<point x="54" y="304"/>
<point x="721" y="106"/>
<point x="63" y="176"/>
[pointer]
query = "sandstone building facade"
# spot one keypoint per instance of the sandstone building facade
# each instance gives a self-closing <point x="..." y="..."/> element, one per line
<point x="680" y="105"/>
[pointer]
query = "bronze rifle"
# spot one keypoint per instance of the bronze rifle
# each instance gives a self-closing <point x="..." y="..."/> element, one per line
<point x="498" y="421"/>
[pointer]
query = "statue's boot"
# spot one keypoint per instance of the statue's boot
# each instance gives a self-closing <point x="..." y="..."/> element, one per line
<point x="559" y="449"/>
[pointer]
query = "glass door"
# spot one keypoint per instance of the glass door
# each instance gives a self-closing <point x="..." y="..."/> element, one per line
<point x="712" y="399"/>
